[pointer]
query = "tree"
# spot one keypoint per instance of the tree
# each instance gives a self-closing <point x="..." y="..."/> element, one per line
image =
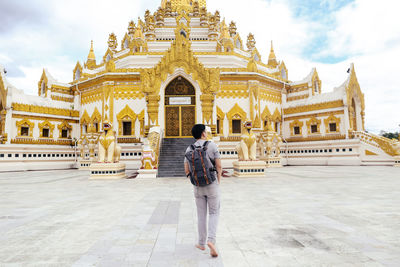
<point x="390" y="135"/>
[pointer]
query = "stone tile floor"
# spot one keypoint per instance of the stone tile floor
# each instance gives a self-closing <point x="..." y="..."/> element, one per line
<point x="295" y="216"/>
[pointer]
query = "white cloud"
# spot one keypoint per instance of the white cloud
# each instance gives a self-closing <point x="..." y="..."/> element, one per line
<point x="365" y="26"/>
<point x="366" y="32"/>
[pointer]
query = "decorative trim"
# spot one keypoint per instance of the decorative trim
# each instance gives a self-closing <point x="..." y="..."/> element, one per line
<point x="46" y="125"/>
<point x="332" y="119"/>
<point x="128" y="140"/>
<point x="313" y="121"/>
<point x="25" y="123"/>
<point x="277" y="115"/>
<point x="140" y="117"/>
<point x="319" y="106"/>
<point x="230" y="138"/>
<point x="221" y="118"/>
<point x="316" y="138"/>
<point x="85" y="119"/>
<point x="91" y="96"/>
<point x="44" y="141"/>
<point x="236" y="112"/>
<point x="322" y="114"/>
<point x="62" y="98"/>
<point x="96" y="116"/>
<point x="40" y="118"/>
<point x="45" y="110"/>
<point x="64" y="126"/>
<point x="293" y="98"/>
<point x="370" y="153"/>
<point x="126" y="115"/>
<point x="296" y="123"/>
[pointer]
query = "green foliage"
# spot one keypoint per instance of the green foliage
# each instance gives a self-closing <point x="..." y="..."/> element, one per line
<point x="391" y="135"/>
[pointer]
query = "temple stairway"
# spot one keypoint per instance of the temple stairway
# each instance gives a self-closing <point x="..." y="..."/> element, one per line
<point x="172" y="154"/>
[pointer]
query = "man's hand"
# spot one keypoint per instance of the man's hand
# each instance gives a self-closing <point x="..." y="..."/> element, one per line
<point x="187" y="171"/>
<point x="218" y="166"/>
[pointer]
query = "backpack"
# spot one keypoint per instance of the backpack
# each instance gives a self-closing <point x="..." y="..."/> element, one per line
<point x="202" y="170"/>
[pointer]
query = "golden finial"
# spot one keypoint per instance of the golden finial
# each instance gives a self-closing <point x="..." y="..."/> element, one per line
<point x="91" y="52"/>
<point x="272" y="58"/>
<point x="112" y="41"/>
<point x="131" y="28"/>
<point x="91" y="59"/>
<point x="251" y="42"/>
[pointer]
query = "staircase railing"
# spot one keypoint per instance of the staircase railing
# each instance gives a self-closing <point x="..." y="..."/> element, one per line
<point x="391" y="147"/>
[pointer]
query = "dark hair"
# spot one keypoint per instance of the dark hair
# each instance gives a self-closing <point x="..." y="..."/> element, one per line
<point x="197" y="130"/>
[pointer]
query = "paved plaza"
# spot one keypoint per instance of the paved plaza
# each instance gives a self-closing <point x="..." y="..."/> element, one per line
<point x="295" y="216"/>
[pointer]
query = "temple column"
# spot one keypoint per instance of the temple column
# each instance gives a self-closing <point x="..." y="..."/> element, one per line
<point x="153" y="104"/>
<point x="207" y="104"/>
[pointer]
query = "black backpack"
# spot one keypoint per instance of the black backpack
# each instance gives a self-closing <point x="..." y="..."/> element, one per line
<point x="202" y="169"/>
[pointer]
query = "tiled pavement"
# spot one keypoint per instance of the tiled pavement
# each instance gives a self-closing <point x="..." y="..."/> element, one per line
<point x="295" y="216"/>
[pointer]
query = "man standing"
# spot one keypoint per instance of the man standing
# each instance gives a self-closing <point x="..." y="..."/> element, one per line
<point x="208" y="195"/>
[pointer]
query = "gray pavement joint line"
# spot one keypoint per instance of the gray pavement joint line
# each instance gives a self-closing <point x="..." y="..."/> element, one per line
<point x="159" y="230"/>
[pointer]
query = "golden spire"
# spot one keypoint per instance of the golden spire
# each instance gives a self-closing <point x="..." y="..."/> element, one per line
<point x="91" y="59"/>
<point x="91" y="52"/>
<point x="272" y="58"/>
<point x="177" y="5"/>
<point x="224" y="31"/>
<point x="138" y="32"/>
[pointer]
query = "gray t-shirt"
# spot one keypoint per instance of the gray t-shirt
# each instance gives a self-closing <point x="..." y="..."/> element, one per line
<point x="212" y="149"/>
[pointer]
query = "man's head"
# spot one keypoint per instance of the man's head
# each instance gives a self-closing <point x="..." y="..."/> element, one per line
<point x="198" y="131"/>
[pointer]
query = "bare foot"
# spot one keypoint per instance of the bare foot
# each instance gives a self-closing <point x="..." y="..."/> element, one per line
<point x="200" y="247"/>
<point x="213" y="250"/>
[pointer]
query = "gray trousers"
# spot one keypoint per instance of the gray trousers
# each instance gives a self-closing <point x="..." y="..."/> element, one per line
<point x="207" y="196"/>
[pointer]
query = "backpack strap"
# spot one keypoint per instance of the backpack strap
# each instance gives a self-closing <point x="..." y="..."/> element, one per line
<point x="205" y="145"/>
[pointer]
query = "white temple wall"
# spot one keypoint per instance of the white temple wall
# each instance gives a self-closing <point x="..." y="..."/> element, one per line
<point x="137" y="105"/>
<point x="287" y="131"/>
<point x="90" y="107"/>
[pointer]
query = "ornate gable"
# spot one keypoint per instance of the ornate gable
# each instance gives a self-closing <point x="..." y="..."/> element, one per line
<point x="43" y="84"/>
<point x="266" y="114"/>
<point x="77" y="72"/>
<point x="96" y="116"/>
<point x="85" y="119"/>
<point x="236" y="112"/>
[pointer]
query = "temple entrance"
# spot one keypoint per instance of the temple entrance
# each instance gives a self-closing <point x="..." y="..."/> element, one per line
<point x="180" y="108"/>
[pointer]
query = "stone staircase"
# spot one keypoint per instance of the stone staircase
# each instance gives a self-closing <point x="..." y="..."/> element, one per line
<point x="171" y="158"/>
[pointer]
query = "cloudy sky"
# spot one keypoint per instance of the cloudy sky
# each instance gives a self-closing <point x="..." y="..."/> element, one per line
<point x="326" y="34"/>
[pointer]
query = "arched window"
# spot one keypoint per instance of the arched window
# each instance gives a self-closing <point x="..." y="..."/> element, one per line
<point x="283" y="73"/>
<point x="43" y="89"/>
<point x="77" y="74"/>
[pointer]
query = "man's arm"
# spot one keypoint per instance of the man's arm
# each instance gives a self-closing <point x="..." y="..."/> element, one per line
<point x="218" y="166"/>
<point x="187" y="171"/>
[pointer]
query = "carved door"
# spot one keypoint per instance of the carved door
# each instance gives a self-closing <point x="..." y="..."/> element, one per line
<point x="180" y="108"/>
<point x="172" y="121"/>
<point x="187" y="120"/>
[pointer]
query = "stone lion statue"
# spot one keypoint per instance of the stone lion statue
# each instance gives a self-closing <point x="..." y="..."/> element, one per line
<point x="109" y="151"/>
<point x="247" y="147"/>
